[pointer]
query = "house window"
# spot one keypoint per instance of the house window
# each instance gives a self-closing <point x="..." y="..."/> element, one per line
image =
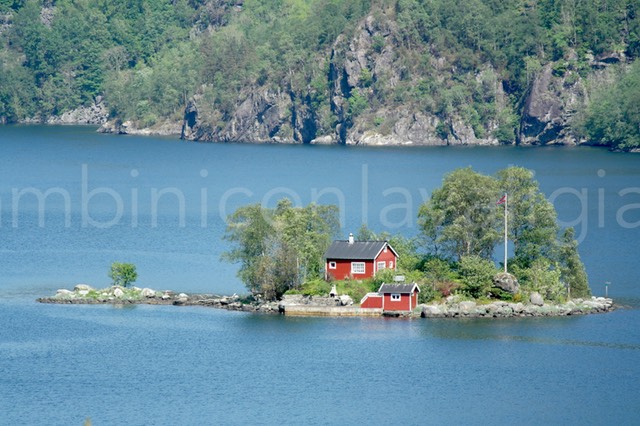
<point x="332" y="265"/>
<point x="357" y="267"/>
<point x="391" y="264"/>
<point x="381" y="265"/>
<point x="395" y="297"/>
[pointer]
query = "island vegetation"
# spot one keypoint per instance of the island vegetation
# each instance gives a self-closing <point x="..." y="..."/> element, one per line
<point x="123" y="274"/>
<point x="338" y="69"/>
<point x="280" y="251"/>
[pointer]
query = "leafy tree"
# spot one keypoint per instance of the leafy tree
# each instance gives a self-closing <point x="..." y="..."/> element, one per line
<point x="571" y="267"/>
<point x="123" y="274"/>
<point x="461" y="215"/>
<point x="533" y="227"/>
<point x="308" y="232"/>
<point x="280" y="248"/>
<point x="249" y="230"/>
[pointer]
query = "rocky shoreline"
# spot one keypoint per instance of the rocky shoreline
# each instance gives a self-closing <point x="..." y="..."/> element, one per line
<point x="452" y="307"/>
<point x="83" y="294"/>
<point x="456" y="308"/>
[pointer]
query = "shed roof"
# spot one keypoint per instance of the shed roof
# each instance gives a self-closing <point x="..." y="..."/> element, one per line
<point x="398" y="288"/>
<point x="357" y="250"/>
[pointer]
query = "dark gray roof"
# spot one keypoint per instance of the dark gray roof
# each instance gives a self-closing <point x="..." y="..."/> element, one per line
<point x="398" y="288"/>
<point x="358" y="250"/>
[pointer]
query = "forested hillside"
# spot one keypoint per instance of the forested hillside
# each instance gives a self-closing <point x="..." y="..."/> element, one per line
<point x="331" y="71"/>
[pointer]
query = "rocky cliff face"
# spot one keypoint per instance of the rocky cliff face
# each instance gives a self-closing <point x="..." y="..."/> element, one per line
<point x="262" y="115"/>
<point x="288" y="116"/>
<point x="371" y="54"/>
<point x="558" y="91"/>
<point x="96" y="113"/>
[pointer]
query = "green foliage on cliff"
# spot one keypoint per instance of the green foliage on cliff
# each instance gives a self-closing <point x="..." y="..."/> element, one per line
<point x="473" y="59"/>
<point x="613" y="115"/>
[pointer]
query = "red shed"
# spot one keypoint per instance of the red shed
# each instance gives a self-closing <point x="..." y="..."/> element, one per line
<point x="393" y="297"/>
<point x="399" y="297"/>
<point x="358" y="259"/>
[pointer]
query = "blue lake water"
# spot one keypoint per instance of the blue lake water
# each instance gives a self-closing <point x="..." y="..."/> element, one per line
<point x="161" y="204"/>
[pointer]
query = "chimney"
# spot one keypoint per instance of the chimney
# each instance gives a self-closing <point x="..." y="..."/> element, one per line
<point x="350" y="238"/>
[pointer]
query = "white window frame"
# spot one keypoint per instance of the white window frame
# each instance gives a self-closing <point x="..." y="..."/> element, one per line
<point x="332" y="265"/>
<point x="395" y="297"/>
<point x="358" y="268"/>
<point x="381" y="265"/>
<point x="391" y="264"/>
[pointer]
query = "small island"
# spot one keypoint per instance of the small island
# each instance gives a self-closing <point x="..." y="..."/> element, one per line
<point x="300" y="305"/>
<point x="291" y="264"/>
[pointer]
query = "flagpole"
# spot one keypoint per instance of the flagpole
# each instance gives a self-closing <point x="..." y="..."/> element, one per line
<point x="506" y="206"/>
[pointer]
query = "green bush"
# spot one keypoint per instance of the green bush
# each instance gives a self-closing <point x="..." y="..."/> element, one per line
<point x="477" y="275"/>
<point x="428" y="293"/>
<point x="123" y="274"/>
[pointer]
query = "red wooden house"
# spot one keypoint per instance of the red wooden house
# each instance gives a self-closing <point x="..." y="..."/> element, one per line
<point x="358" y="259"/>
<point x="393" y="297"/>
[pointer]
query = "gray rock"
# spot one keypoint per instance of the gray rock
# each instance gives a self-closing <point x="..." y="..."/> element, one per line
<point x="467" y="307"/>
<point x="64" y="293"/>
<point x="431" y="311"/>
<point x="518" y="308"/>
<point x="294" y="299"/>
<point x="346" y="300"/>
<point x="96" y="113"/>
<point x="506" y="282"/>
<point x="118" y="293"/>
<point x="454" y="298"/>
<point x="180" y="301"/>
<point x="536" y="299"/>
<point x="81" y="287"/>
<point x="504" y="311"/>
<point x="147" y="292"/>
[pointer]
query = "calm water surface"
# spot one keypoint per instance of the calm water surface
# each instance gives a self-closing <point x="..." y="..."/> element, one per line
<point x="160" y="204"/>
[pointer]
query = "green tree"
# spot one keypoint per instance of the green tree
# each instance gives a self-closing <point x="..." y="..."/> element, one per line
<point x="123" y="274"/>
<point x="571" y="267"/>
<point x="249" y="230"/>
<point x="279" y="248"/>
<point x="461" y="216"/>
<point x="308" y="232"/>
<point x="533" y="227"/>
